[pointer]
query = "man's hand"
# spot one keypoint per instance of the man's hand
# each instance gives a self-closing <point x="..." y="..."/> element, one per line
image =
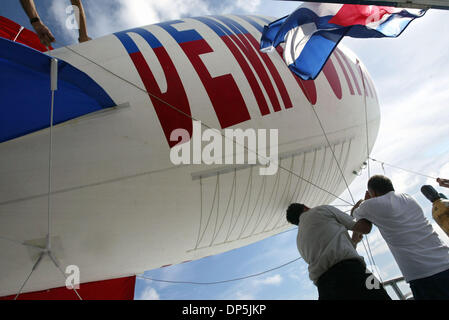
<point x="367" y="195"/>
<point x="355" y="206"/>
<point x="43" y="33"/>
<point x="443" y="182"/>
<point x="356" y="237"/>
<point x="84" y="39"/>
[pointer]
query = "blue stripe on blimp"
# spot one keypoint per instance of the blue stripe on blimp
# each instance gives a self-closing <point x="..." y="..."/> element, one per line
<point x="25" y="95"/>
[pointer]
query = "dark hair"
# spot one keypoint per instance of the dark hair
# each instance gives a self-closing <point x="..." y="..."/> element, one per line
<point x="380" y="184"/>
<point x="294" y="211"/>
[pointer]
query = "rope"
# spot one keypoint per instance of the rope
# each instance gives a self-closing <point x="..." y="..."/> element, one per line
<point x="333" y="154"/>
<point x="366" y="118"/>
<point x="222" y="281"/>
<point x="39" y="259"/>
<point x="328" y="142"/>
<point x="50" y="153"/>
<point x="369" y="253"/>
<point x="410" y="171"/>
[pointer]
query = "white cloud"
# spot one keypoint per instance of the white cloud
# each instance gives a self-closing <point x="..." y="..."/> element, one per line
<point x="57" y="9"/>
<point x="103" y="20"/>
<point x="239" y="295"/>
<point x="273" y="280"/>
<point x="149" y="294"/>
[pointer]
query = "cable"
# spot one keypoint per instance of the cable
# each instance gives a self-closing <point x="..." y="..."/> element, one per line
<point x="410" y="171"/>
<point x="54" y="64"/>
<point x="328" y="142"/>
<point x="366" y="117"/>
<point x="222" y="281"/>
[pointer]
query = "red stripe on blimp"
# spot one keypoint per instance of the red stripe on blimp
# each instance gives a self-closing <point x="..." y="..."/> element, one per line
<point x="257" y="91"/>
<point x="274" y="73"/>
<point x="345" y="73"/>
<point x="228" y="102"/>
<point x="177" y="114"/>
<point x="251" y="54"/>
<point x="332" y="77"/>
<point x="307" y="86"/>
<point x="114" y="289"/>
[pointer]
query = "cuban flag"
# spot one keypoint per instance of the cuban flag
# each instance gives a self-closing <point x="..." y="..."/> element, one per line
<point x="313" y="31"/>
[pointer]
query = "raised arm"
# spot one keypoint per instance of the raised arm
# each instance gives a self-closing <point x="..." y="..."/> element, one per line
<point x="360" y="228"/>
<point x="82" y="21"/>
<point x="41" y="29"/>
<point x="443" y="182"/>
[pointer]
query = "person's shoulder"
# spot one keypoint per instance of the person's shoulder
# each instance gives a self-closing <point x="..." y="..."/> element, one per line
<point x="401" y="196"/>
<point x="324" y="208"/>
<point x="329" y="210"/>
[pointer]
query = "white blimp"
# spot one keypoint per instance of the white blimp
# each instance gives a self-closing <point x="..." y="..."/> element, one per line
<point x="100" y="186"/>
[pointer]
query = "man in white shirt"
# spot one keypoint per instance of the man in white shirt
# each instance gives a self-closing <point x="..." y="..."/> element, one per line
<point x="420" y="254"/>
<point x="335" y="267"/>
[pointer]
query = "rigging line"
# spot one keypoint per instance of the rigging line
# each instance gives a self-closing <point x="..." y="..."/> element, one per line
<point x="243" y="203"/>
<point x="328" y="142"/>
<point x="320" y="174"/>
<point x="264" y="185"/>
<point x="12" y="240"/>
<point x="297" y="184"/>
<point x="312" y="171"/>
<point x="367" y="254"/>
<point x="278" y="208"/>
<point x="256" y="204"/>
<point x="248" y="202"/>
<point x="326" y="178"/>
<point x="233" y="206"/>
<point x="222" y="281"/>
<point x="211" y="210"/>
<point x="315" y="185"/>
<point x="372" y="257"/>
<point x="50" y="157"/>
<point x="271" y="213"/>
<point x="410" y="171"/>
<point x="333" y="153"/>
<point x="218" y="210"/>
<point x="348" y="152"/>
<point x="38" y="261"/>
<point x="201" y="212"/>
<point x="366" y="118"/>
<point x="272" y="193"/>
<point x="299" y="190"/>
<point x="227" y="207"/>
<point x="334" y="179"/>
<point x="183" y="113"/>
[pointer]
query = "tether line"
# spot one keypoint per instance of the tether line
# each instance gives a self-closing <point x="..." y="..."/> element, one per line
<point x="222" y="281"/>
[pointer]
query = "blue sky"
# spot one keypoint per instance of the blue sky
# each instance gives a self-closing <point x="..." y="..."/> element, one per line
<point x="410" y="74"/>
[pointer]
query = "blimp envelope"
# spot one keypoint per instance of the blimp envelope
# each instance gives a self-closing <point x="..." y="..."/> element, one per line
<point x="119" y="204"/>
<point x="26" y="95"/>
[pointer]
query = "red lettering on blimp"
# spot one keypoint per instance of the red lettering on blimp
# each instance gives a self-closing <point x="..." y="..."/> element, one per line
<point x="223" y="92"/>
<point x="172" y="106"/>
<point x="178" y="114"/>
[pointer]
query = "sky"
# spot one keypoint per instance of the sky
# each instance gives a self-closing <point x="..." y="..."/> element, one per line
<point x="411" y="78"/>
